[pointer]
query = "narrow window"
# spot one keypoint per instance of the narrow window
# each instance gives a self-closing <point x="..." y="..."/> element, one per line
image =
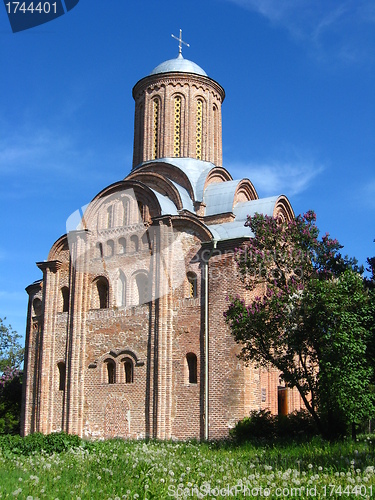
<point x="121" y="290"/>
<point x="62" y="374"/>
<point x="100" y="293"/>
<point x="192" y="367"/>
<point x="65" y="298"/>
<point x="198" y="130"/>
<point x="122" y="245"/>
<point x="216" y="134"/>
<point x="135" y="243"/>
<point x="192" y="281"/>
<point x="128" y="367"/>
<point x="111" y="371"/>
<point x="142" y="289"/>
<point x="110" y="248"/>
<point x="99" y="251"/>
<point x="155" y="144"/>
<point x="109" y="216"/>
<point x="37" y="306"/>
<point x="141" y="212"/>
<point x="125" y="212"/>
<point x="177" y="127"/>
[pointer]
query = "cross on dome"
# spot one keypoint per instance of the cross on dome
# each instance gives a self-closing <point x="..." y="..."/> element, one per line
<point x="180" y="40"/>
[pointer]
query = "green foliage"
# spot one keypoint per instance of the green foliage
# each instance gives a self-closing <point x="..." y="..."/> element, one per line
<point x="138" y="469"/>
<point x="10" y="402"/>
<point x="262" y="425"/>
<point x="312" y="321"/>
<point x="11" y="351"/>
<point x="35" y="443"/>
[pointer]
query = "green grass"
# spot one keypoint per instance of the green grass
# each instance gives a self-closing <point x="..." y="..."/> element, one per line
<point x="136" y="469"/>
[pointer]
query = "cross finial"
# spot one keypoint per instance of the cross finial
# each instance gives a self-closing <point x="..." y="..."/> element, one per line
<point x="180" y="40"/>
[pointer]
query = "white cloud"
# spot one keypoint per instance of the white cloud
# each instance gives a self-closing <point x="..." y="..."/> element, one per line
<point x="273" y="178"/>
<point x="332" y="29"/>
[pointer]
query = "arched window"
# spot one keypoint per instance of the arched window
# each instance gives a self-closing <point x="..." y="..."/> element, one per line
<point x="155" y="142"/>
<point x="216" y="144"/>
<point x="121" y="290"/>
<point x="125" y="211"/>
<point x="99" y="251"/>
<point x="128" y="368"/>
<point x="198" y="129"/>
<point x="110" y="248"/>
<point x="192" y="281"/>
<point x="177" y="127"/>
<point x="141" y="211"/>
<point x="191" y="360"/>
<point x="62" y="375"/>
<point x="109" y="216"/>
<point x="65" y="298"/>
<point x="110" y="371"/>
<point x="37" y="306"/>
<point x="142" y="292"/>
<point x="134" y="243"/>
<point x="100" y="293"/>
<point x="122" y="245"/>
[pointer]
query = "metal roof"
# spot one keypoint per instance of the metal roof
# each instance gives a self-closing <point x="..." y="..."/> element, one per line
<point x="219" y="197"/>
<point x="179" y="65"/>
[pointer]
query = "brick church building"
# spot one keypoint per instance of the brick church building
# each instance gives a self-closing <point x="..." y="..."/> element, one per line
<point x="125" y="331"/>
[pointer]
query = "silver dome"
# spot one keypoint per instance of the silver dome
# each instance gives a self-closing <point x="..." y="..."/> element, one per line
<point x="179" y="65"/>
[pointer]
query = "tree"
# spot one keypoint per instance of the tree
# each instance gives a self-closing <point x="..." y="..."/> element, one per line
<point x="11" y="351"/>
<point x="11" y="358"/>
<point x="309" y="319"/>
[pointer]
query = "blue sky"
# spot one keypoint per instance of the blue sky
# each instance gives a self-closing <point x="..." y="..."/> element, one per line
<point x="298" y="117"/>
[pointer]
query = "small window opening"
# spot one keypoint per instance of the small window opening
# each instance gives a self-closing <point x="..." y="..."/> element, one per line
<point x="65" y="298"/>
<point x="128" y="366"/>
<point x="191" y="359"/>
<point x="111" y="372"/>
<point x="62" y="375"/>
<point x="192" y="281"/>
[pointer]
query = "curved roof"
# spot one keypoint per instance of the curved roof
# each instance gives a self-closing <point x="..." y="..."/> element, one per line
<point x="219" y="197"/>
<point x="179" y="65"/>
<point x="195" y="170"/>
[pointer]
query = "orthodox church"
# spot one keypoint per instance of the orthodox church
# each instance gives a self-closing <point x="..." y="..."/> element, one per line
<point x="125" y="331"/>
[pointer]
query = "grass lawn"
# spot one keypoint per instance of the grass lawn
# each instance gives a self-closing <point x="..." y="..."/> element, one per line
<point x="136" y="469"/>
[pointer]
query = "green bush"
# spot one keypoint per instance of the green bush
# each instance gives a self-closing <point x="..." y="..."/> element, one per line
<point x="34" y="443"/>
<point x="262" y="425"/>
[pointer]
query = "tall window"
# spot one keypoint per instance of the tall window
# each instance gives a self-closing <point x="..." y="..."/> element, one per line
<point x="192" y="281"/>
<point x="141" y="289"/>
<point x="100" y="293"/>
<point x="62" y="375"/>
<point x="177" y="127"/>
<point x="155" y="143"/>
<point x="65" y="298"/>
<point x="110" y="248"/>
<point x="128" y="367"/>
<point x="111" y="371"/>
<point x="216" y="133"/>
<point x="121" y="290"/>
<point x="110" y="216"/>
<point x="198" y="130"/>
<point x="122" y="245"/>
<point x="125" y="212"/>
<point x="191" y="360"/>
<point x="37" y="306"/>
